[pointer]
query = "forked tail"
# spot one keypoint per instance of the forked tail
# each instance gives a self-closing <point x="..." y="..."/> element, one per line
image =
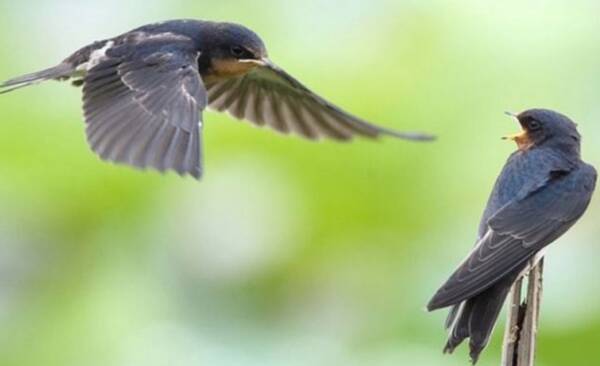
<point x="63" y="70"/>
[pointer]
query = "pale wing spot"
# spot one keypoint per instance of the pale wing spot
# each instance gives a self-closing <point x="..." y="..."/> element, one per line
<point x="97" y="56"/>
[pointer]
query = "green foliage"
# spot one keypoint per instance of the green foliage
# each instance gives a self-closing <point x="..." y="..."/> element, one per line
<point x="288" y="252"/>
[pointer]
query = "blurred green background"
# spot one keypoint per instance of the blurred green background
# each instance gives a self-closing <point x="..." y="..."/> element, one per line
<point x="288" y="252"/>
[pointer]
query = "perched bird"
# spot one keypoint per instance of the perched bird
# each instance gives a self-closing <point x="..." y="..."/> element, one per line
<point x="144" y="92"/>
<point x="542" y="191"/>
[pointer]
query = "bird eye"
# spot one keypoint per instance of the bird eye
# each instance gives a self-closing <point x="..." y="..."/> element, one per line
<point x="533" y="125"/>
<point x="238" y="52"/>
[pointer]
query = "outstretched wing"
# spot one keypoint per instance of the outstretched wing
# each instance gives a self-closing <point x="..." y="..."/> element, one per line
<point x="267" y="95"/>
<point x="517" y="232"/>
<point x="142" y="104"/>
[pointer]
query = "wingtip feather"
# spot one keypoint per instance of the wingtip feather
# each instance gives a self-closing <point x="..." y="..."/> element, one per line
<point x="438" y="302"/>
<point x="410" y="136"/>
<point x="63" y="70"/>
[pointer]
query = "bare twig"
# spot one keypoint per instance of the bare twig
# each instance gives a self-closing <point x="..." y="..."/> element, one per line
<point x="523" y="320"/>
<point x="511" y="333"/>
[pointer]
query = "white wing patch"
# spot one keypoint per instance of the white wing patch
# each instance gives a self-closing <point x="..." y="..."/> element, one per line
<point x="99" y="55"/>
<point x="96" y="57"/>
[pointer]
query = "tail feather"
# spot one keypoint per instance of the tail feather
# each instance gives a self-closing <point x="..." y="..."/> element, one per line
<point x="475" y="318"/>
<point x="452" y="314"/>
<point x="458" y="318"/>
<point x="60" y="71"/>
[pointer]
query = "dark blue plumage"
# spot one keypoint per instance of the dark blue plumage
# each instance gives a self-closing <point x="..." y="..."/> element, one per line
<point x="543" y="189"/>
<point x="144" y="92"/>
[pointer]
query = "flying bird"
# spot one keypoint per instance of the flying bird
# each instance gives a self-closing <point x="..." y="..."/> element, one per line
<point x="144" y="93"/>
<point x="543" y="189"/>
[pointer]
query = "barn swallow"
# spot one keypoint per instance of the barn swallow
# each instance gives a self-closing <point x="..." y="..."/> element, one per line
<point x="543" y="189"/>
<point x="145" y="90"/>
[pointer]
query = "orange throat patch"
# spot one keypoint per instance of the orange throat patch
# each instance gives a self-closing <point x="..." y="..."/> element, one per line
<point x="228" y="68"/>
<point x="523" y="141"/>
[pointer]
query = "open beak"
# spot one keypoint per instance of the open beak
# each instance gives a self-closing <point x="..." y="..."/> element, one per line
<point x="521" y="138"/>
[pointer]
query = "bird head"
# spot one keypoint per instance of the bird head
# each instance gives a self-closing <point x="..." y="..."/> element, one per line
<point x="543" y="127"/>
<point x="233" y="50"/>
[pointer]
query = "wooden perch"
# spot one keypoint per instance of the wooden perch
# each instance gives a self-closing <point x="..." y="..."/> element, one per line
<point x="523" y="320"/>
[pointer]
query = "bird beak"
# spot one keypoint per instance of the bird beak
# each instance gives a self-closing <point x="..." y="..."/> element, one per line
<point x="521" y="138"/>
<point x="260" y="62"/>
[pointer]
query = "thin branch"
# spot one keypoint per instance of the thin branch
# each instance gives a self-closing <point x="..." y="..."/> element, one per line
<point x="523" y="320"/>
<point x="511" y="333"/>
